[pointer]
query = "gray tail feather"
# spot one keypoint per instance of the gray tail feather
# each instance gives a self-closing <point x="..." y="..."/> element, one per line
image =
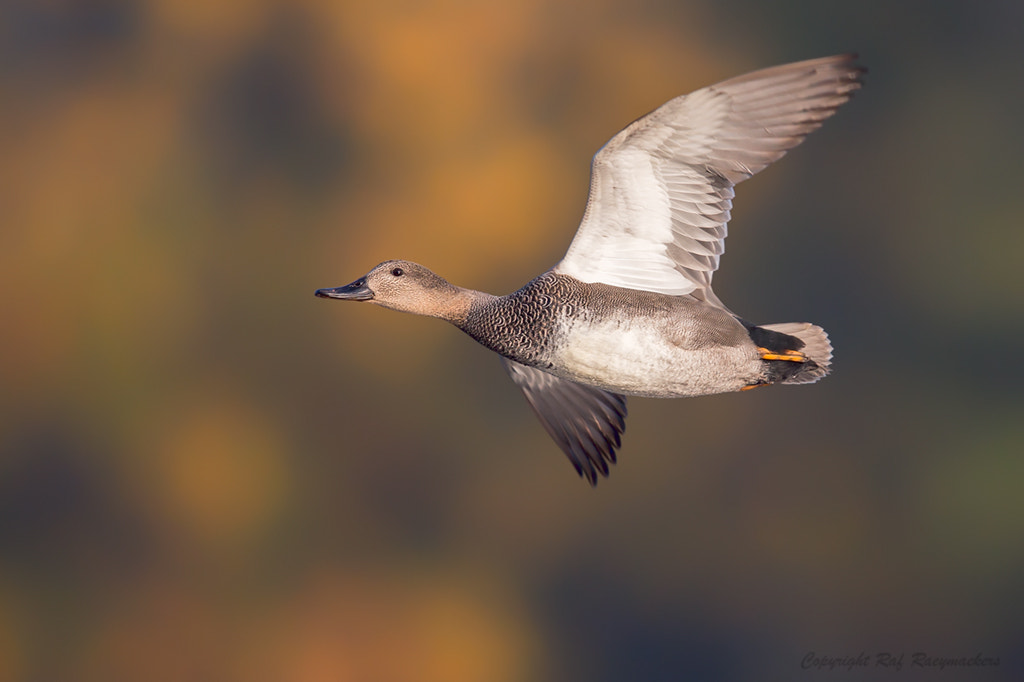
<point x="816" y="347"/>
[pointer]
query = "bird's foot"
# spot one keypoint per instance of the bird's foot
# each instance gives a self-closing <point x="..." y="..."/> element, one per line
<point x="790" y="355"/>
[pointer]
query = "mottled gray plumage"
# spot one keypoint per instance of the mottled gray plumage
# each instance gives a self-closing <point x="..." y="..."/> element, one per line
<point x="586" y="422"/>
<point x="630" y="309"/>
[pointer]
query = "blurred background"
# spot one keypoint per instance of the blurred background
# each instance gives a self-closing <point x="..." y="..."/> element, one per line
<point x="208" y="474"/>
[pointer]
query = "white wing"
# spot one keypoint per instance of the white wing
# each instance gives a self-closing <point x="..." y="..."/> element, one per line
<point x="661" y="190"/>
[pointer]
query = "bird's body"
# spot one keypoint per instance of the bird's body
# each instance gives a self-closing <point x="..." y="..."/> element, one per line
<point x="620" y="340"/>
<point x="629" y="310"/>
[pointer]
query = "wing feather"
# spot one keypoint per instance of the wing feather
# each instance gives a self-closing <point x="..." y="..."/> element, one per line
<point x="584" y="421"/>
<point x="661" y="190"/>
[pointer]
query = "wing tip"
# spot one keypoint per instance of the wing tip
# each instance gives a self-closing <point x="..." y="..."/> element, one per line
<point x="584" y="421"/>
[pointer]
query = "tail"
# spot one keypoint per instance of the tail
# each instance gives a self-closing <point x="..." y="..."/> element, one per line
<point x="809" y="339"/>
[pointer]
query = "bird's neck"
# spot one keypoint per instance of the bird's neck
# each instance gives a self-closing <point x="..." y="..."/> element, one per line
<point x="461" y="307"/>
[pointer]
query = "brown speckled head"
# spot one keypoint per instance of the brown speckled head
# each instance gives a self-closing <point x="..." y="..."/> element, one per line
<point x="408" y="287"/>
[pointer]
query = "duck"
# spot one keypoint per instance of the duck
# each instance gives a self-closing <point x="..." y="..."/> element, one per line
<point x="630" y="310"/>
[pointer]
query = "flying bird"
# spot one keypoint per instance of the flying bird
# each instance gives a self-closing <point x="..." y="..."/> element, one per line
<point x="630" y="310"/>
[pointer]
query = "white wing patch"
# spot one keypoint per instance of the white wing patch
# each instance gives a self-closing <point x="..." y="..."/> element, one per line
<point x="661" y="190"/>
<point x="628" y="246"/>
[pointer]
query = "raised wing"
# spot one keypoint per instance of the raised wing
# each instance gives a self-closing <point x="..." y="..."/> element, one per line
<point x="661" y="190"/>
<point x="586" y="422"/>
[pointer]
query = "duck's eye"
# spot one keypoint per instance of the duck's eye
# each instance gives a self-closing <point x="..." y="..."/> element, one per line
<point x="397" y="272"/>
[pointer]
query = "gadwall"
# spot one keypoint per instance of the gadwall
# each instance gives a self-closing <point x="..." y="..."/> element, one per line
<point x="629" y="310"/>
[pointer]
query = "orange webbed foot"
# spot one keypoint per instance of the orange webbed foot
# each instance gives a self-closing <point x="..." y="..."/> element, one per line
<point x="789" y="355"/>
